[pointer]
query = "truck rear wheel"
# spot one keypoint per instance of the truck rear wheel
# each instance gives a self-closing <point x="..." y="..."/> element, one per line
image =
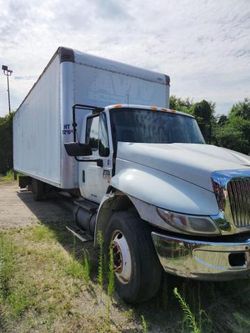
<point x="137" y="269"/>
<point x="38" y="189"/>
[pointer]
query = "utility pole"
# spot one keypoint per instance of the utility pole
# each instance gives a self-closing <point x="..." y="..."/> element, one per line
<point x="8" y="73"/>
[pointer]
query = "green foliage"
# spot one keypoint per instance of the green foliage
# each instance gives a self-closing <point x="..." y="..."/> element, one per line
<point x="6" y="143"/>
<point x="100" y="260"/>
<point x="9" y="175"/>
<point x="189" y="317"/>
<point x="241" y="323"/>
<point x="222" y="120"/>
<point x="241" y="109"/>
<point x="234" y="132"/>
<point x="6" y="267"/>
<point x="179" y="104"/>
<point x="111" y="275"/>
<point x="86" y="267"/>
<point x="77" y="270"/>
<point x="203" y="112"/>
<point x="144" y="324"/>
<point x="43" y="233"/>
<point x="19" y="300"/>
<point x="74" y="269"/>
<point x="231" y="132"/>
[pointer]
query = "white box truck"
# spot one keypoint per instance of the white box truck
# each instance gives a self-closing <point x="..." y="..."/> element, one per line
<point x="143" y="175"/>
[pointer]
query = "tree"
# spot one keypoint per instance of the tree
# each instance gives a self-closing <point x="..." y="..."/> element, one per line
<point x="241" y="109"/>
<point x="235" y="132"/>
<point x="179" y="104"/>
<point x="6" y="143"/>
<point x="203" y="111"/>
<point x="222" y="120"/>
<point x="204" y="114"/>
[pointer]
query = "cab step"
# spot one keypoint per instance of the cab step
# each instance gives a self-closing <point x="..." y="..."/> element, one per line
<point x="80" y="234"/>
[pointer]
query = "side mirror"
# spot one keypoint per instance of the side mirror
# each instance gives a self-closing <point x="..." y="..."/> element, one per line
<point x="78" y="149"/>
<point x="103" y="151"/>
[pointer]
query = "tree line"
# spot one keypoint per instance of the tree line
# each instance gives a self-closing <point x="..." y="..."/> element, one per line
<point x="232" y="131"/>
<point x="6" y="143"/>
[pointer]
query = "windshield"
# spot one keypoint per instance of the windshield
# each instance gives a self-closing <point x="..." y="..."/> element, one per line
<point x="141" y="125"/>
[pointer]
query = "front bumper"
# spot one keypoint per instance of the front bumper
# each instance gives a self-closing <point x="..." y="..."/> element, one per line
<point x="203" y="260"/>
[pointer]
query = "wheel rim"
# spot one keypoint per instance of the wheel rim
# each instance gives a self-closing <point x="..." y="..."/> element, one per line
<point x="121" y="257"/>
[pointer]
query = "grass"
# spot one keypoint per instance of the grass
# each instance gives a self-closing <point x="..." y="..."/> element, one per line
<point x="86" y="267"/>
<point x="8" y="177"/>
<point x="6" y="267"/>
<point x="47" y="285"/>
<point x="50" y="282"/>
<point x="79" y="270"/>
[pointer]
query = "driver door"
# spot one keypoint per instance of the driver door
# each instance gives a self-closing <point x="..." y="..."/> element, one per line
<point x="94" y="177"/>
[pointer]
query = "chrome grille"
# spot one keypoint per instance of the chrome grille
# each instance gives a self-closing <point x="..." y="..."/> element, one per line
<point x="239" y="197"/>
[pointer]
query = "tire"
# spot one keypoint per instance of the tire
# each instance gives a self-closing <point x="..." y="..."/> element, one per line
<point x="38" y="189"/>
<point x="138" y="272"/>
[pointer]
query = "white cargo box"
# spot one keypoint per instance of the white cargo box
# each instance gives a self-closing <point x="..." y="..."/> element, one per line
<point x="43" y="122"/>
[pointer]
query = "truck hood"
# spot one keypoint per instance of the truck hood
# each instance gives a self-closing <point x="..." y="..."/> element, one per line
<point x="193" y="163"/>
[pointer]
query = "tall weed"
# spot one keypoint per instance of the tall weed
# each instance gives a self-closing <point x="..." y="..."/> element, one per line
<point x="100" y="260"/>
<point x="111" y="274"/>
<point x="189" y="317"/>
<point x="86" y="266"/>
<point x="144" y="324"/>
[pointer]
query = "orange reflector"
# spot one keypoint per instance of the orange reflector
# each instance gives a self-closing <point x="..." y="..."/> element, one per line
<point x="168" y="110"/>
<point x="117" y="106"/>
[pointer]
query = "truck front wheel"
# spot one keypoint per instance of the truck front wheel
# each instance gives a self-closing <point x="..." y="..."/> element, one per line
<point x="137" y="269"/>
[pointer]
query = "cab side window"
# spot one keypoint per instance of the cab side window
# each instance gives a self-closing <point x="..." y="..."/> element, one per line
<point x="92" y="132"/>
<point x="103" y="136"/>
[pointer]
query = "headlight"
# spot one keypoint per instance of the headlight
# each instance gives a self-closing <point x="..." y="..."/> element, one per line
<point x="191" y="224"/>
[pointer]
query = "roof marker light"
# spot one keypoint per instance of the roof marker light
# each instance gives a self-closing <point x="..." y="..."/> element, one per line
<point x="168" y="110"/>
<point x="154" y="108"/>
<point x="117" y="106"/>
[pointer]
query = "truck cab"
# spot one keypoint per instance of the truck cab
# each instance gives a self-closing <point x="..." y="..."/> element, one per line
<point x="127" y="123"/>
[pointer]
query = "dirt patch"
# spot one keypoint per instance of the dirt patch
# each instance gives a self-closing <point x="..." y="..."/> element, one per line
<point x="18" y="208"/>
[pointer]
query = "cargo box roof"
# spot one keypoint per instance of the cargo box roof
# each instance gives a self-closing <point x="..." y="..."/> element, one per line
<point x="117" y="67"/>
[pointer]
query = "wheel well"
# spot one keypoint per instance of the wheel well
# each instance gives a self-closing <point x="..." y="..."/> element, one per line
<point x="117" y="202"/>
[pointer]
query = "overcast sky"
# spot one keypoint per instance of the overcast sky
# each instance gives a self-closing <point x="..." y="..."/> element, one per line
<point x="203" y="45"/>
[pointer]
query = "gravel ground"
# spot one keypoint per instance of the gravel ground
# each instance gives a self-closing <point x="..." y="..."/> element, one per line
<point x="18" y="208"/>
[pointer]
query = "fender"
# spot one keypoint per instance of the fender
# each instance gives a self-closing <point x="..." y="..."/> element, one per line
<point x="146" y="188"/>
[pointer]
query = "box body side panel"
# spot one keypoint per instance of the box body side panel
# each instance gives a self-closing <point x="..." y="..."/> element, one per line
<point x="37" y="129"/>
